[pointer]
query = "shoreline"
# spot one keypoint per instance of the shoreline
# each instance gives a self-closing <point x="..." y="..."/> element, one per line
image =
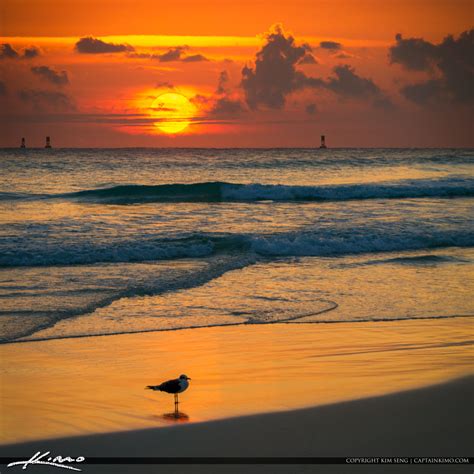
<point x="430" y="421"/>
<point x="25" y="339"/>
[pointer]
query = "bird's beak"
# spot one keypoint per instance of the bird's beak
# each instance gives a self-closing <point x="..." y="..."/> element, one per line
<point x="188" y="378"/>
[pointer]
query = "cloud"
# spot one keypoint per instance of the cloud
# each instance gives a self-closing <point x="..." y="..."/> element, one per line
<point x="42" y="100"/>
<point x="8" y="52"/>
<point x="164" y="84"/>
<point x="89" y="45"/>
<point x="194" y="58"/>
<point x="423" y="92"/>
<point x="449" y="63"/>
<point x="414" y="53"/>
<point x="275" y="74"/>
<point x="311" y="109"/>
<point x="3" y="89"/>
<point x="308" y="58"/>
<point x="347" y="83"/>
<point x="173" y="54"/>
<point x="31" y="52"/>
<point x="222" y="104"/>
<point x="331" y="45"/>
<point x="201" y="100"/>
<point x="226" y="107"/>
<point x="222" y="82"/>
<point x="56" y="78"/>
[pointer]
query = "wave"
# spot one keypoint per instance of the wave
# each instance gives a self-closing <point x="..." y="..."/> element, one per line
<point x="22" y="323"/>
<point x="7" y="196"/>
<point x="33" y="338"/>
<point x="417" y="260"/>
<point x="233" y="192"/>
<point x="309" y="242"/>
<point x="230" y="192"/>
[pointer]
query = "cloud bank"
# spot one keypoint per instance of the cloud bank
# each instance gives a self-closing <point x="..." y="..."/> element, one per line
<point x="450" y="65"/>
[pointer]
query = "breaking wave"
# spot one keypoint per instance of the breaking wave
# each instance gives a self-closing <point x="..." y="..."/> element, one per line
<point x="232" y="192"/>
<point x="229" y="192"/>
<point x="313" y="242"/>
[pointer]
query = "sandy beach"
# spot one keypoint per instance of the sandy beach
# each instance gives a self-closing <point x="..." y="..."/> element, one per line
<point x="60" y="395"/>
<point x="434" y="421"/>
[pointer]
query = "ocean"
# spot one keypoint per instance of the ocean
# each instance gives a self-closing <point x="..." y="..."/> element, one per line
<point x="110" y="241"/>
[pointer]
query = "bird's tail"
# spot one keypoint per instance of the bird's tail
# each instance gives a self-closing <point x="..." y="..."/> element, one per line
<point x="153" y="387"/>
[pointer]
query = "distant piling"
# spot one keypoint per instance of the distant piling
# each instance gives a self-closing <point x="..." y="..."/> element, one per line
<point x="48" y="142"/>
<point x="323" y="142"/>
<point x="23" y="144"/>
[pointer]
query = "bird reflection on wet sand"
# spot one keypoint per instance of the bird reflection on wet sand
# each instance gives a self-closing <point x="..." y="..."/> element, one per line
<point x="174" y="417"/>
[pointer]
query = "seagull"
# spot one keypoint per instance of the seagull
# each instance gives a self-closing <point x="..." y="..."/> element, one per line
<point x="174" y="386"/>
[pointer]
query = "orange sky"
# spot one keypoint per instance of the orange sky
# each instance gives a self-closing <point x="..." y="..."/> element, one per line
<point x="352" y="92"/>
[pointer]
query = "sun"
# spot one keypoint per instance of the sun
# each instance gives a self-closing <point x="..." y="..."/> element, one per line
<point x="173" y="112"/>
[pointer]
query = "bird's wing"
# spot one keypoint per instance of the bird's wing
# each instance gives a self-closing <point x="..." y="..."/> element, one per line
<point x="170" y="386"/>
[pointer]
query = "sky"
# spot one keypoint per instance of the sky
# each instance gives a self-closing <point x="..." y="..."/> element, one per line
<point x="365" y="73"/>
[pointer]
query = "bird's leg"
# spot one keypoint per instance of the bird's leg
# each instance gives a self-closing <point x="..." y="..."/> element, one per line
<point x="176" y="403"/>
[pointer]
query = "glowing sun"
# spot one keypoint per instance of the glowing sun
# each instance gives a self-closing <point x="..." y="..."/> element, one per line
<point x="173" y="112"/>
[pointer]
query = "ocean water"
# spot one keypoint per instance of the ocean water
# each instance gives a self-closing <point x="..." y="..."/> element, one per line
<point x="107" y="241"/>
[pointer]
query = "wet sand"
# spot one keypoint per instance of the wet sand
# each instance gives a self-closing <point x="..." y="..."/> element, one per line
<point x="432" y="421"/>
<point x="93" y="385"/>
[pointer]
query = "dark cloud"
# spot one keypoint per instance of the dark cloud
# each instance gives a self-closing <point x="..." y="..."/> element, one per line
<point x="194" y="58"/>
<point x="275" y="74"/>
<point x="347" y="83"/>
<point x="200" y="100"/>
<point x="43" y="100"/>
<point x="423" y="92"/>
<point x="222" y="82"/>
<point x="331" y="45"/>
<point x="164" y="84"/>
<point x="3" y="88"/>
<point x="450" y="64"/>
<point x="8" y="52"/>
<point x="56" y="78"/>
<point x="174" y="54"/>
<point x="171" y="55"/>
<point x="226" y="107"/>
<point x="89" y="45"/>
<point x="31" y="52"/>
<point x="308" y="58"/>
<point x="414" y="53"/>
<point x="311" y="109"/>
<point x="222" y="104"/>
